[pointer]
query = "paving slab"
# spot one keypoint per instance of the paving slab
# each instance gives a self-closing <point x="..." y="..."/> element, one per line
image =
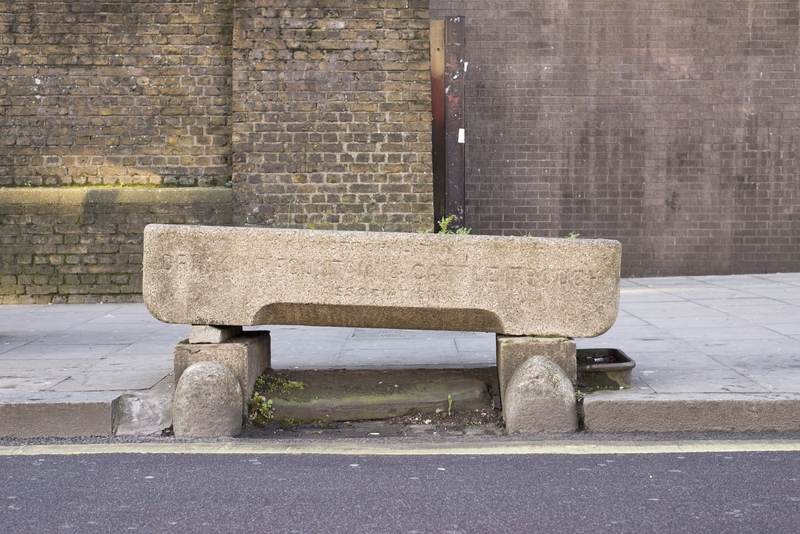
<point x="678" y="380"/>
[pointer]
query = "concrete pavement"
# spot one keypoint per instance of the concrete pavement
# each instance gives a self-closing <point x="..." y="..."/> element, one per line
<point x="712" y="353"/>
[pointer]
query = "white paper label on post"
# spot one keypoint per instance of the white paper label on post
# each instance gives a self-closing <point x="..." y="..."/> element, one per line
<point x="461" y="135"/>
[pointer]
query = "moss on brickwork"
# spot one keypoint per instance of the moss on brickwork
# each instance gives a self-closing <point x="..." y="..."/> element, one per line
<point x="332" y="100"/>
<point x="76" y="245"/>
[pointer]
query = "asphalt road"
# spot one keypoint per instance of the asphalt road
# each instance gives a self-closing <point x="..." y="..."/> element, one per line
<point x="675" y="492"/>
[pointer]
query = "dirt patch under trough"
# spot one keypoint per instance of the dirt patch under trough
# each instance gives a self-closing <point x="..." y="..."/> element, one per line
<point x="385" y="403"/>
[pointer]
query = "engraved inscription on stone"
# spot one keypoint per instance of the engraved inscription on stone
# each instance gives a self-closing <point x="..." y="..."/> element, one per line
<point x="519" y="286"/>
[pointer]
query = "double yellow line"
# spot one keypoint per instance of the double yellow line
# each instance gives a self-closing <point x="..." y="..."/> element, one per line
<point x="388" y="448"/>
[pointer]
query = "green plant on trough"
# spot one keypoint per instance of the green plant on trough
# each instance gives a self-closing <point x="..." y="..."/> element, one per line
<point x="260" y="409"/>
<point x="444" y="227"/>
<point x="571" y="235"/>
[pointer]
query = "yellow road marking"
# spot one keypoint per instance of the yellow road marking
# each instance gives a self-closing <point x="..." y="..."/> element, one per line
<point x="361" y="448"/>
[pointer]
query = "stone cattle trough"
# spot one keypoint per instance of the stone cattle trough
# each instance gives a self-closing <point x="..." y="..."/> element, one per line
<point x="535" y="293"/>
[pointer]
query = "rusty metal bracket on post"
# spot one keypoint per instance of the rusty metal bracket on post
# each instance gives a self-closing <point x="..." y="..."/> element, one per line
<point x="448" y="133"/>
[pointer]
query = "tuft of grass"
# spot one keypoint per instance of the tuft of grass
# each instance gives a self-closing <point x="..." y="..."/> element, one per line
<point x="261" y="411"/>
<point x="444" y="227"/>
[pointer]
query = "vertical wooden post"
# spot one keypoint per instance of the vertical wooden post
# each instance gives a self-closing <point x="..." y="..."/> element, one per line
<point x="454" y="120"/>
<point x="438" y="129"/>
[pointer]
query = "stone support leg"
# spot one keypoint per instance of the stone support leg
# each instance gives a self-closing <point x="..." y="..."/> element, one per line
<point x="513" y="351"/>
<point x="207" y="402"/>
<point x="540" y="398"/>
<point x="247" y="355"/>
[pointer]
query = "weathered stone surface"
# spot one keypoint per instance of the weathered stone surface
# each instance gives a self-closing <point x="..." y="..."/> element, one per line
<point x="213" y="334"/>
<point x="514" y="351"/>
<point x="207" y="402"/>
<point x="539" y="398"/>
<point x="246" y="356"/>
<point x="508" y="285"/>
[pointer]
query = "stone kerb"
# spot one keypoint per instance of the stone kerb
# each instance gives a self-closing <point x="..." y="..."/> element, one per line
<point x="518" y="286"/>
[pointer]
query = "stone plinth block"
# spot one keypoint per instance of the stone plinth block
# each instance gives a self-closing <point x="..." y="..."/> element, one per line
<point x="540" y="398"/>
<point x="213" y="334"/>
<point x="247" y="356"/>
<point x="509" y="285"/>
<point x="514" y="351"/>
<point x="207" y="401"/>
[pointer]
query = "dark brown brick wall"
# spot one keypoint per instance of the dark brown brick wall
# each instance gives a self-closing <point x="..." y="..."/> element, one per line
<point x="673" y="126"/>
<point x="115" y="92"/>
<point x="77" y="245"/>
<point x="332" y="115"/>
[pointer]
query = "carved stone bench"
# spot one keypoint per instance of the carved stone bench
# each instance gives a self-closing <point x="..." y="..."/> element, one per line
<point x="535" y="293"/>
